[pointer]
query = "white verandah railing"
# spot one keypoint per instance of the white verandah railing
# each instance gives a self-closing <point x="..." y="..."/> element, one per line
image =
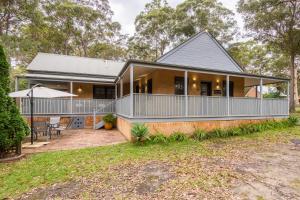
<point x="171" y="106"/>
<point x="161" y="106"/>
<point x="65" y="106"/>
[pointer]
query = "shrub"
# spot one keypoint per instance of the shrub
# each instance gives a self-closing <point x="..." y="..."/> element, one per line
<point x="245" y="129"/>
<point x="178" y="137"/>
<point x="158" y="139"/>
<point x="13" y="128"/>
<point x="199" y="134"/>
<point x="139" y="132"/>
<point x="292" y="121"/>
<point x="110" y="118"/>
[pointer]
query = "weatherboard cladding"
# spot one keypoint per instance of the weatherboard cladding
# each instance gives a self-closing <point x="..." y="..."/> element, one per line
<point x="201" y="51"/>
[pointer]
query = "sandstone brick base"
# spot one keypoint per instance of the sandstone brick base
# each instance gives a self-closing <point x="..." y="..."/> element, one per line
<point x="124" y="126"/>
<point x="167" y="128"/>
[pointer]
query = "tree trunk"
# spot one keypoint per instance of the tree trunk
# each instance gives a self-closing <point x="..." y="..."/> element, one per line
<point x="19" y="148"/>
<point x="294" y="101"/>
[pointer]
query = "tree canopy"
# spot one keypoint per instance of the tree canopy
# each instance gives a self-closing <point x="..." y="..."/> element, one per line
<point x="277" y="23"/>
<point x="160" y="27"/>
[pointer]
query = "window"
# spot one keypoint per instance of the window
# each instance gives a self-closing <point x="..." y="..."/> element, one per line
<point x="149" y="86"/>
<point x="103" y="92"/>
<point x="231" y="87"/>
<point x="179" y="85"/>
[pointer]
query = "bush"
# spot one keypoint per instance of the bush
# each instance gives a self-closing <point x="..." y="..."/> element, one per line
<point x="110" y="118"/>
<point x="13" y="128"/>
<point x="139" y="132"/>
<point x="245" y="129"/>
<point x="158" y="139"/>
<point x="199" y="134"/>
<point x="178" y="137"/>
<point x="292" y="121"/>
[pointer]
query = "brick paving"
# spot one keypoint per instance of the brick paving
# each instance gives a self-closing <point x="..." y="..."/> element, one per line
<point x="79" y="138"/>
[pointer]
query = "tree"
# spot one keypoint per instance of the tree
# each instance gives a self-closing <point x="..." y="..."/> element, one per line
<point x="276" y="22"/>
<point x="57" y="26"/>
<point x="12" y="126"/>
<point x="107" y="51"/>
<point x="193" y="16"/>
<point x="259" y="58"/>
<point x="153" y="29"/>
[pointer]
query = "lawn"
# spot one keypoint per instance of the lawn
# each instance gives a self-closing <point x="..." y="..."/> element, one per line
<point x="130" y="171"/>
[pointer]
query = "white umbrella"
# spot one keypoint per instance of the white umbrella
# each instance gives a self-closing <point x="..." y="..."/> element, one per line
<point x="38" y="92"/>
<point x="41" y="92"/>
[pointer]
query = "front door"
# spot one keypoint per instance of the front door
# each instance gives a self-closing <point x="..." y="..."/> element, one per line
<point x="205" y="88"/>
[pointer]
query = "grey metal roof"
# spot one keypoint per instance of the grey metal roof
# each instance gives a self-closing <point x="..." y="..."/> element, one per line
<point x="201" y="51"/>
<point x="74" y="64"/>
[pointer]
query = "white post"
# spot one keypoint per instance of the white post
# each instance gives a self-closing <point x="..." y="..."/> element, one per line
<point x="131" y="90"/>
<point x="121" y="87"/>
<point x="116" y="91"/>
<point x="261" y="96"/>
<point x="186" y="92"/>
<point x="16" y="84"/>
<point x="227" y="94"/>
<point x="94" y="118"/>
<point x="71" y="91"/>
<point x="288" y="97"/>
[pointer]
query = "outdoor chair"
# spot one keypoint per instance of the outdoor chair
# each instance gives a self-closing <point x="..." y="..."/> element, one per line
<point x="54" y="124"/>
<point x="40" y="128"/>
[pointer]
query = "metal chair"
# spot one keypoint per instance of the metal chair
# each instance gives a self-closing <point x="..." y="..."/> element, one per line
<point x="54" y="124"/>
<point x="40" y="127"/>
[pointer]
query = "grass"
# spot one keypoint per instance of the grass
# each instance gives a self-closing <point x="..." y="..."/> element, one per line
<point x="47" y="168"/>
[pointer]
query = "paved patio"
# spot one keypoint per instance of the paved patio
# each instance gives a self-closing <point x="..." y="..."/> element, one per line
<point x="77" y="139"/>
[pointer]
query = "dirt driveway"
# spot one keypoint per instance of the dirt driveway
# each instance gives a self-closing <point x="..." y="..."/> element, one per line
<point x="234" y="169"/>
<point x="271" y="175"/>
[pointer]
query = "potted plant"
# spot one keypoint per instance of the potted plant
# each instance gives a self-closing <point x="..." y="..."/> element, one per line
<point x="109" y="121"/>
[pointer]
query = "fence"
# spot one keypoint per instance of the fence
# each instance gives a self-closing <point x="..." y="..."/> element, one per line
<point x="67" y="106"/>
<point x="161" y="106"/>
<point x="166" y="106"/>
<point x="123" y="106"/>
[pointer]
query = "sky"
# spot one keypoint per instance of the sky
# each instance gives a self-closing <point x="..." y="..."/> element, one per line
<point x="125" y="11"/>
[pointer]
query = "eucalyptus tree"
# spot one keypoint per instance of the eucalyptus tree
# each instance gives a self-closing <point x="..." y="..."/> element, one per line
<point x="154" y="26"/>
<point x="192" y="16"/>
<point x="276" y="22"/>
<point x="259" y="58"/>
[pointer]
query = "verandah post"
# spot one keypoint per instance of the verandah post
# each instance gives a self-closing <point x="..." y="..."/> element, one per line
<point x="116" y="91"/>
<point x="261" y="96"/>
<point x="186" y="92"/>
<point x="288" y="97"/>
<point x="131" y="90"/>
<point x="227" y="94"/>
<point x="71" y="91"/>
<point x="17" y="84"/>
<point x="121" y="87"/>
<point x="116" y="98"/>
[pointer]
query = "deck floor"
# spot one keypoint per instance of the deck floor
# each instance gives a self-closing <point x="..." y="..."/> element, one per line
<point x="77" y="139"/>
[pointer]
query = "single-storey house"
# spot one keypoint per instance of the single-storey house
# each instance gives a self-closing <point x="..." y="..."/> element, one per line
<point x="195" y="85"/>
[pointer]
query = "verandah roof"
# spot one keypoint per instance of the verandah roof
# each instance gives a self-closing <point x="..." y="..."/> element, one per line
<point x="252" y="79"/>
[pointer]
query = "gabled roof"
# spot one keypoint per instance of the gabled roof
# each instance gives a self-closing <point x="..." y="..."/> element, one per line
<point x="203" y="51"/>
<point x="45" y="62"/>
